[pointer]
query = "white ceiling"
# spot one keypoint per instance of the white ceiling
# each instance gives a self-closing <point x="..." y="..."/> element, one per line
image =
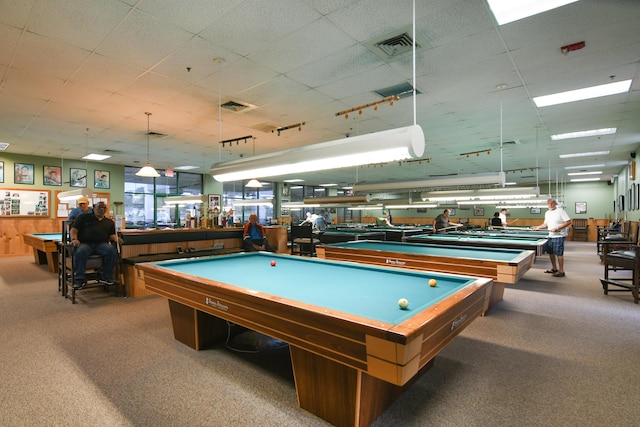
<point x="71" y="65"/>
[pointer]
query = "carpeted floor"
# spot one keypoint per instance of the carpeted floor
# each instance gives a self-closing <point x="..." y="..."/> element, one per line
<point x="555" y="352"/>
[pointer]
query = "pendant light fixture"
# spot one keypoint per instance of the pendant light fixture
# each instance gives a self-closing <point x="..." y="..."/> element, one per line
<point x="148" y="171"/>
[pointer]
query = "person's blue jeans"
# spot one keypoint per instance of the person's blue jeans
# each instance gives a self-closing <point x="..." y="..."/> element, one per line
<point x="82" y="253"/>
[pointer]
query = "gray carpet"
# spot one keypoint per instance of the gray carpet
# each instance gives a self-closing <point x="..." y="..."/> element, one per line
<point x="555" y="352"/>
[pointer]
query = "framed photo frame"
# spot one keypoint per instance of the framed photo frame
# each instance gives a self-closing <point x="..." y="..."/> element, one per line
<point x="621" y="203"/>
<point x="52" y="175"/>
<point x="534" y="210"/>
<point x="101" y="179"/>
<point x="1" y="171"/>
<point x="77" y="177"/>
<point x="23" y="173"/>
<point x="478" y="212"/>
<point x="581" y="207"/>
<point x="452" y="211"/>
<point x="215" y="202"/>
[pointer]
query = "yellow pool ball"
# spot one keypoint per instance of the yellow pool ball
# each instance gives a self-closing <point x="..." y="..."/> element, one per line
<point x="433" y="283"/>
<point x="403" y="303"/>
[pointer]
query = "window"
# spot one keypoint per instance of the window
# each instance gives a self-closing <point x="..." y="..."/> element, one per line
<point x="144" y="198"/>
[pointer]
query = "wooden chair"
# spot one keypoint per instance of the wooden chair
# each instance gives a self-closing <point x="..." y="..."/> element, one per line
<point x="66" y="270"/>
<point x="621" y="260"/>
<point x="303" y="240"/>
<point x="581" y="229"/>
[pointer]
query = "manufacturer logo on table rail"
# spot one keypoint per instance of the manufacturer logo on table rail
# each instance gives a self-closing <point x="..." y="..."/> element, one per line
<point x="394" y="262"/>
<point x="458" y="322"/>
<point x="215" y="304"/>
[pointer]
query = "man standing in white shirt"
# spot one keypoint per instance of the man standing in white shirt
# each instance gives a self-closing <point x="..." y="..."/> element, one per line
<point x="557" y="222"/>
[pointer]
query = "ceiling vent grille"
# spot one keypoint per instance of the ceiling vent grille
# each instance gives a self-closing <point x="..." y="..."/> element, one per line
<point x="237" y="107"/>
<point x="398" y="44"/>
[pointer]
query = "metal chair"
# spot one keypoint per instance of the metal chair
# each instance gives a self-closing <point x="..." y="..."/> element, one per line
<point x="67" y="268"/>
<point x="303" y="240"/>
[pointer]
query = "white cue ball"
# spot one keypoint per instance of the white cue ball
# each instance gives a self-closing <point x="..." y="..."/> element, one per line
<point x="403" y="303"/>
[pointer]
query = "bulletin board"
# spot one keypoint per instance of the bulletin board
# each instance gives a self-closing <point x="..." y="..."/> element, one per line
<point x="15" y="202"/>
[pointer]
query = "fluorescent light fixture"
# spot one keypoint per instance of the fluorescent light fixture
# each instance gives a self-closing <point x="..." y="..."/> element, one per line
<point x="506" y="11"/>
<point x="328" y="185"/>
<point x="337" y="199"/>
<point x="481" y="196"/>
<point x="541" y="206"/>
<point x="185" y="168"/>
<point x="599" y="165"/>
<point x="585" y="154"/>
<point x="366" y="208"/>
<point x="97" y="157"/>
<point x="296" y="187"/>
<point x="252" y="202"/>
<point x="585" y="173"/>
<point x="584" y="179"/>
<point x="298" y="205"/>
<point x="293" y="180"/>
<point x="380" y="147"/>
<point x="186" y="199"/>
<point x="413" y="206"/>
<point x="584" y="134"/>
<point x="4" y="146"/>
<point x="67" y="196"/>
<point x="582" y="94"/>
<point x="497" y="178"/>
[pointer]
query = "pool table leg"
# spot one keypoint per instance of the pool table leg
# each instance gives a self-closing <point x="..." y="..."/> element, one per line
<point x="340" y="394"/>
<point x="496" y="293"/>
<point x="196" y="328"/>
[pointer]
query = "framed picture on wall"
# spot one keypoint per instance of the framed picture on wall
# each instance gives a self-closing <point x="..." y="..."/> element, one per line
<point x="214" y="202"/>
<point x="534" y="210"/>
<point x="637" y="187"/>
<point x="1" y="171"/>
<point x="452" y="211"/>
<point x="23" y="173"/>
<point x="478" y="212"/>
<point x="52" y="175"/>
<point x="581" y="207"/>
<point x="621" y="203"/>
<point x="78" y="177"/>
<point x="101" y="179"/>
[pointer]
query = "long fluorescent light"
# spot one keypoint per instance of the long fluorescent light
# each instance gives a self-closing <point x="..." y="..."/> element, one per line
<point x="582" y="94"/>
<point x="337" y="199"/>
<point x="506" y="11"/>
<point x="483" y="195"/>
<point x="412" y="206"/>
<point x="97" y="157"/>
<point x="497" y="178"/>
<point x="380" y="147"/>
<point x="252" y="202"/>
<point x="599" y="165"/>
<point x="584" y="133"/>
<point x="184" y="200"/>
<point x="585" y="173"/>
<point x="584" y="179"/>
<point x="585" y="154"/>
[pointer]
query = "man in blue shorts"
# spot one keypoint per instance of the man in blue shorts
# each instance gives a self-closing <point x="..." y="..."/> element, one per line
<point x="557" y="222"/>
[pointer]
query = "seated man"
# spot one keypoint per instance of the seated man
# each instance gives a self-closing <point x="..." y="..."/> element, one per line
<point x="90" y="234"/>
<point x="254" y="237"/>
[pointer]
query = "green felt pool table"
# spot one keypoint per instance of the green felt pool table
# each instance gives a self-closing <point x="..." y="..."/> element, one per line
<point x="505" y="266"/>
<point x="45" y="248"/>
<point x="533" y="244"/>
<point x="353" y="350"/>
<point x="336" y="236"/>
<point x="512" y="234"/>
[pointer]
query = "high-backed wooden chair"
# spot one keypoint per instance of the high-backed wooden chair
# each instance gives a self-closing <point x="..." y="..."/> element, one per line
<point x="625" y="263"/>
<point x="303" y="240"/>
<point x="66" y="270"/>
<point x="580" y="229"/>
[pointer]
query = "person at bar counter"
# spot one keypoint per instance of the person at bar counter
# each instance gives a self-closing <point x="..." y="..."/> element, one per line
<point x="254" y="236"/>
<point x="90" y="234"/>
<point x="442" y="223"/>
<point x="83" y="207"/>
<point x="557" y="221"/>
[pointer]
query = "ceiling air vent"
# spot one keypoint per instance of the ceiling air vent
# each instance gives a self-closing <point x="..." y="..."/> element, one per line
<point x="396" y="45"/>
<point x="237" y="107"/>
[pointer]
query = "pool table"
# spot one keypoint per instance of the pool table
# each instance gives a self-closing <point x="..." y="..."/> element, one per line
<point x="336" y="236"/>
<point x="533" y="244"/>
<point x="504" y="266"/>
<point x="353" y="350"/>
<point x="45" y="248"/>
<point x="394" y="234"/>
<point x="543" y="234"/>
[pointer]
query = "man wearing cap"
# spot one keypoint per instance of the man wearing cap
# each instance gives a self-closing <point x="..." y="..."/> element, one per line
<point x="83" y="207"/>
<point x="90" y="234"/>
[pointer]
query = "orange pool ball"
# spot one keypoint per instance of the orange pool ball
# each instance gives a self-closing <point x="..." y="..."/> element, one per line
<point x="273" y="263"/>
<point x="433" y="283"/>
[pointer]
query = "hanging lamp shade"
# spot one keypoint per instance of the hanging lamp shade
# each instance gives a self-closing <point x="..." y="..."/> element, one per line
<point x="253" y="183"/>
<point x="148" y="171"/>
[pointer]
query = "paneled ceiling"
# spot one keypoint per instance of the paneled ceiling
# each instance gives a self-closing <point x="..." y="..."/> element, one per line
<point x="79" y="75"/>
